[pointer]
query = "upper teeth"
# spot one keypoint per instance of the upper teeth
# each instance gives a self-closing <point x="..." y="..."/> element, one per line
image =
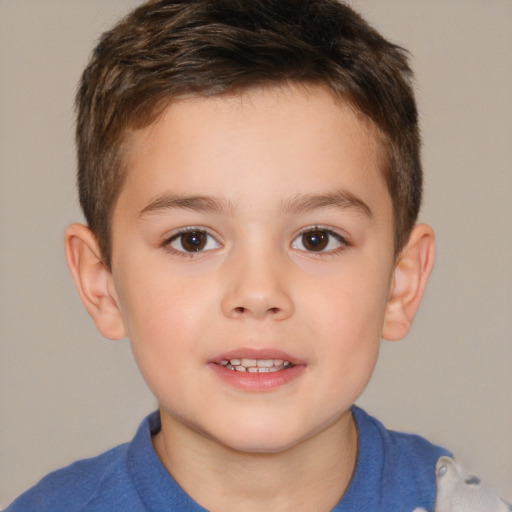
<point x="255" y="365"/>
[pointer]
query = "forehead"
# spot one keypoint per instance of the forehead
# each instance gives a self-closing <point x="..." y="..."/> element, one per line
<point x="290" y="139"/>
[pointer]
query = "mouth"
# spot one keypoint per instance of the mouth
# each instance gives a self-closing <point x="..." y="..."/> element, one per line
<point x="256" y="365"/>
<point x="257" y="370"/>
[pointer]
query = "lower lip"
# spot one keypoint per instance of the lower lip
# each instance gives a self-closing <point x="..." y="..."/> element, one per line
<point x="257" y="382"/>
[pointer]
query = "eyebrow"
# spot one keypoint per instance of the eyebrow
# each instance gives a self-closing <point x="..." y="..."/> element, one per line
<point x="197" y="203"/>
<point x="300" y="203"/>
<point x="337" y="199"/>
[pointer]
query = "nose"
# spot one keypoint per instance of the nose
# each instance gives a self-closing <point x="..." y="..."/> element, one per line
<point x="256" y="287"/>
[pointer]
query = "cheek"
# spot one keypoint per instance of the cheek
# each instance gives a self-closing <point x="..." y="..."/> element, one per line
<point x="162" y="315"/>
<point x="162" y="326"/>
<point x="350" y="302"/>
<point x="347" y="320"/>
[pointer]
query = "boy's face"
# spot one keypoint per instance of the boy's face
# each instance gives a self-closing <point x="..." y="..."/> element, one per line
<point x="254" y="227"/>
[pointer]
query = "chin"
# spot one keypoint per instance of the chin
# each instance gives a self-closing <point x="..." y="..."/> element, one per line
<point x="260" y="439"/>
<point x="266" y="446"/>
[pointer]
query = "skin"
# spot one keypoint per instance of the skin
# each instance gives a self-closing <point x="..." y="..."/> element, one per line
<point x="268" y="166"/>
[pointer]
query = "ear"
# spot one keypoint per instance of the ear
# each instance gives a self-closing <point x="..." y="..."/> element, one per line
<point x="410" y="278"/>
<point x="93" y="281"/>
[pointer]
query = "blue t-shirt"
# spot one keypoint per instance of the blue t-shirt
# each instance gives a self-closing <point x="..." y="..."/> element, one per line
<point x="395" y="472"/>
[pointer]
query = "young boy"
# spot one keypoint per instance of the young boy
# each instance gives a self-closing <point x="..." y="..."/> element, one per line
<point x="250" y="176"/>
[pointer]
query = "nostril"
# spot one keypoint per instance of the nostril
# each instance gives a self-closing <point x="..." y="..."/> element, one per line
<point x="472" y="480"/>
<point x="273" y="310"/>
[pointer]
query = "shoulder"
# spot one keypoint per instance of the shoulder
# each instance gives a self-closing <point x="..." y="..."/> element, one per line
<point x="402" y="450"/>
<point x="106" y="482"/>
<point x="129" y="477"/>
<point x="395" y="471"/>
<point x="75" y="487"/>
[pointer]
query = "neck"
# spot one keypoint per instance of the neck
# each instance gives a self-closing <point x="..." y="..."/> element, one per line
<point x="312" y="475"/>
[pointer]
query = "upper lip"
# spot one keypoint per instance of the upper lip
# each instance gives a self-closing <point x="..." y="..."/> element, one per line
<point x="251" y="353"/>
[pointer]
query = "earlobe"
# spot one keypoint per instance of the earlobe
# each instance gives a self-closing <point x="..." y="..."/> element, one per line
<point x="410" y="277"/>
<point x="93" y="281"/>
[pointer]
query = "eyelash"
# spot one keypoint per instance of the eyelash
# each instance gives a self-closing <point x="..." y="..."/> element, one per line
<point x="331" y="234"/>
<point x="167" y="243"/>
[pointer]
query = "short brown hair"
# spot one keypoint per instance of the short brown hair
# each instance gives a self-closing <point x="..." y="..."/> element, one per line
<point x="168" y="49"/>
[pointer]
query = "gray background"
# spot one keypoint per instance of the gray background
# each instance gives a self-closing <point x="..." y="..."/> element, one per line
<point x="66" y="393"/>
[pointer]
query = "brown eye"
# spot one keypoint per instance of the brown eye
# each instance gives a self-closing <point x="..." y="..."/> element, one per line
<point x="315" y="240"/>
<point x="319" y="240"/>
<point x="193" y="241"/>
